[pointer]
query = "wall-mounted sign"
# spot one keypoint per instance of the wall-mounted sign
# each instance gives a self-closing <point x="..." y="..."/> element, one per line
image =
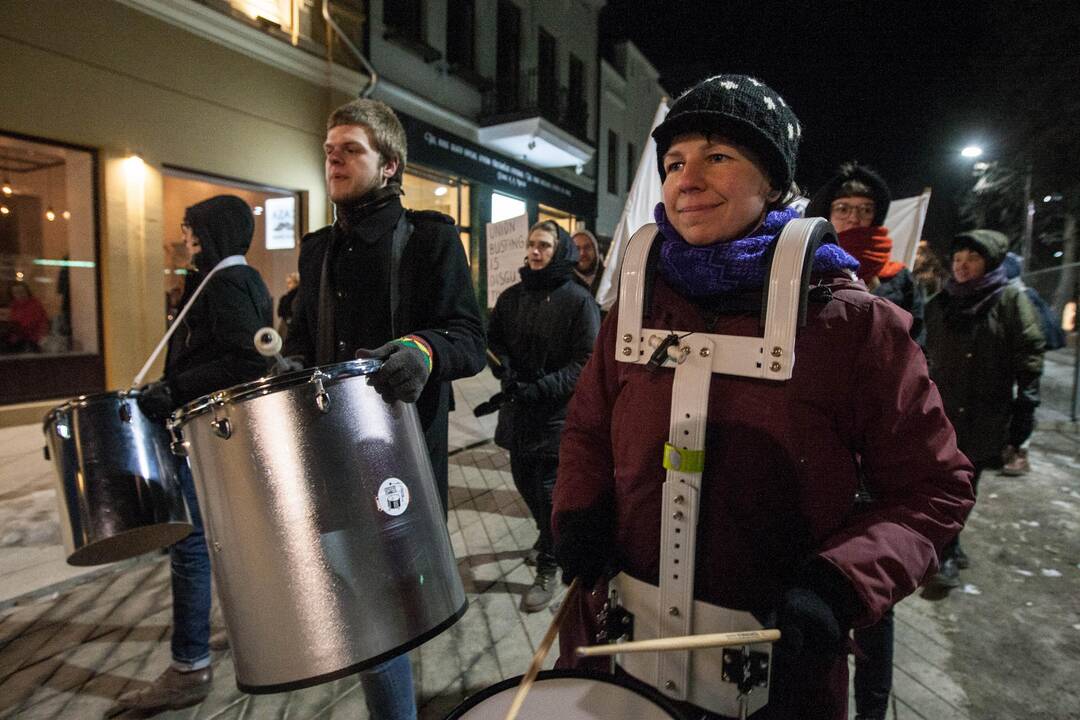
<point x="280" y="217"/>
<point x="433" y="146"/>
<point x="505" y="254"/>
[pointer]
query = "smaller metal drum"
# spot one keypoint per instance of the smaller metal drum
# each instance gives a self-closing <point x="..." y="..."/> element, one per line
<point x="569" y="695"/>
<point x="117" y="487"/>
<point x="326" y="532"/>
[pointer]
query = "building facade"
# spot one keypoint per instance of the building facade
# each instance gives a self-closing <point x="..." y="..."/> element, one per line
<point x="125" y="112"/>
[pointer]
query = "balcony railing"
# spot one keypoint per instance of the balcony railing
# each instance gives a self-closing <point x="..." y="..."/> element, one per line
<point x="516" y="98"/>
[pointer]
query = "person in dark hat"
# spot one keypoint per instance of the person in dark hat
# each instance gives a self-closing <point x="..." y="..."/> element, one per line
<point x="778" y="535"/>
<point x="986" y="348"/>
<point x="856" y="202"/>
<point x="542" y="329"/>
<point x="212" y="349"/>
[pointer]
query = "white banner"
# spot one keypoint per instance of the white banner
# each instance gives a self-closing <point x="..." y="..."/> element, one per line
<point x="506" y="241"/>
<point x="905" y="222"/>
<point x="644" y="195"/>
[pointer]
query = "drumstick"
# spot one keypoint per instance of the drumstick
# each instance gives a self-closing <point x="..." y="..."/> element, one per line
<point x="684" y="642"/>
<point x="541" y="653"/>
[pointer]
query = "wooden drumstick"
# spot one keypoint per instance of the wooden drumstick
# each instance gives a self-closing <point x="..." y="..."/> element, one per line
<point x="684" y="642"/>
<point x="541" y="653"/>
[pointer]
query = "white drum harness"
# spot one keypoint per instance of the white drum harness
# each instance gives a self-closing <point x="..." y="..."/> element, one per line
<point x="670" y="610"/>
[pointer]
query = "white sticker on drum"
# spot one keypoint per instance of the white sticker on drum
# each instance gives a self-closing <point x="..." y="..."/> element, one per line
<point x="393" y="497"/>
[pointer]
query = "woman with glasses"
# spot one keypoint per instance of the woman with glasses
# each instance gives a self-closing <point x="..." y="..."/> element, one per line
<point x="856" y="201"/>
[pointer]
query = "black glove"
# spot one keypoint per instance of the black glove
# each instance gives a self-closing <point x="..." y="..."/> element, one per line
<point x="583" y="544"/>
<point x="526" y="393"/>
<point x="502" y="368"/>
<point x="813" y="619"/>
<point x="492" y="404"/>
<point x="403" y="373"/>
<point x="156" y="400"/>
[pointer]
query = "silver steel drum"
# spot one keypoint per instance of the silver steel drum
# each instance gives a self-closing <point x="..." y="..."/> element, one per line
<point x="117" y="488"/>
<point x="326" y="533"/>
<point x="569" y="695"/>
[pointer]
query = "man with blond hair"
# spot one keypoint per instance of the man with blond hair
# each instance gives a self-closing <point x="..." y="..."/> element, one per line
<point x="392" y="284"/>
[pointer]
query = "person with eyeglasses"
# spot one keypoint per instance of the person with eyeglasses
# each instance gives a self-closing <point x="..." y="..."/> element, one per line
<point x="856" y="201"/>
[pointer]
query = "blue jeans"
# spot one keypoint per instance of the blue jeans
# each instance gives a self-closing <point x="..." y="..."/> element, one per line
<point x="388" y="690"/>
<point x="190" y="585"/>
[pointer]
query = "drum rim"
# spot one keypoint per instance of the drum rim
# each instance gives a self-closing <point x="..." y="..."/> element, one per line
<point x="646" y="691"/>
<point x="81" y="401"/>
<point x="333" y="372"/>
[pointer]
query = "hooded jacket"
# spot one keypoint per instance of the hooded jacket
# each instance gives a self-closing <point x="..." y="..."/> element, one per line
<point x="590" y="280"/>
<point x="546" y="326"/>
<point x="981" y="361"/>
<point x="214" y="348"/>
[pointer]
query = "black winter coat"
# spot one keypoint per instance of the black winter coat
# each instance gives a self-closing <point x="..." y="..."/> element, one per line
<point x="901" y="289"/>
<point x="436" y="302"/>
<point x="548" y="335"/>
<point x="214" y="346"/>
<point x="976" y="365"/>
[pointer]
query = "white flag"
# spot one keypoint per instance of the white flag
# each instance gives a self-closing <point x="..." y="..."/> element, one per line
<point x="644" y="195"/>
<point x="905" y="222"/>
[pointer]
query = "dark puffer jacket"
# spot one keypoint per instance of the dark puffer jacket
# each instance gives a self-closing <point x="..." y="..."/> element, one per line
<point x="214" y="346"/>
<point x="547" y="332"/>
<point x="979" y="362"/>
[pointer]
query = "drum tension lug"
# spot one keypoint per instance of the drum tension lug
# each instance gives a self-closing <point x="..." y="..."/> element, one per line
<point x="222" y="427"/>
<point x="616" y="623"/>
<point x="322" y="398"/>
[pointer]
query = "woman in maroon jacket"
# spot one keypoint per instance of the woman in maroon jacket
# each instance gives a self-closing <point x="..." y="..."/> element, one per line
<point x="779" y="533"/>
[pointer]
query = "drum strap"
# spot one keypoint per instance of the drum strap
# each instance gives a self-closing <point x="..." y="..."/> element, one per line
<point x="225" y="262"/>
<point x="324" y="346"/>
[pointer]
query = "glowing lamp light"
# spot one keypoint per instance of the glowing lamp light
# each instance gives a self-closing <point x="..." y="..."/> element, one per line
<point x="440" y="191"/>
<point x="66" y="214"/>
<point x="5" y="210"/>
<point x="972" y="151"/>
<point x="19" y="275"/>
<point x="257" y="210"/>
<point x="134" y="167"/>
<point x="7" y="189"/>
<point x="50" y="214"/>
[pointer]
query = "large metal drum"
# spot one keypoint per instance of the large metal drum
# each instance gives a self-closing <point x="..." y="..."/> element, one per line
<point x="117" y="488"/>
<point x="326" y="532"/>
<point x="569" y="695"/>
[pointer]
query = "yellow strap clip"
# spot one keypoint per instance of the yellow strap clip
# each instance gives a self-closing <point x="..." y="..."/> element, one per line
<point x="683" y="460"/>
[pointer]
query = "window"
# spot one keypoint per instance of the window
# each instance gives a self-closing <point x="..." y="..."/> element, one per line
<point x="460" y="34"/>
<point x="612" y="162"/>
<point x="427" y="190"/>
<point x="404" y="19"/>
<point x="547" y="86"/>
<point x="631" y="165"/>
<point x="504" y="207"/>
<point x="507" y="57"/>
<point x="49" y="320"/>
<point x="274" y="249"/>
<point x="568" y="222"/>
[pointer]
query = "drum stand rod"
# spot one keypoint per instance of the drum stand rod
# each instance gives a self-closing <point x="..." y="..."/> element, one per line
<point x="541" y="652"/>
<point x="684" y="642"/>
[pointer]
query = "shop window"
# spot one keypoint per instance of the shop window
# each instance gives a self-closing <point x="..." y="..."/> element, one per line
<point x="49" y="319"/>
<point x="504" y="207"/>
<point x="426" y="190"/>
<point x="275" y="247"/>
<point x="631" y="164"/>
<point x="568" y="222"/>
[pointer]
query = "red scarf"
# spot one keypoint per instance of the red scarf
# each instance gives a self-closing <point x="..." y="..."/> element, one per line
<point x="871" y="246"/>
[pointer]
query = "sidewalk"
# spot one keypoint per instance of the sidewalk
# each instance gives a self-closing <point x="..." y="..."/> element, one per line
<point x="1005" y="645"/>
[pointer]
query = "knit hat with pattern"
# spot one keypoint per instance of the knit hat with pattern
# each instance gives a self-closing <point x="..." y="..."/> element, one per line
<point x="743" y="108"/>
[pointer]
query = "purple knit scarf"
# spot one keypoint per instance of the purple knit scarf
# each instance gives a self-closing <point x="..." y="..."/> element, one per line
<point x="734" y="266"/>
<point x="975" y="297"/>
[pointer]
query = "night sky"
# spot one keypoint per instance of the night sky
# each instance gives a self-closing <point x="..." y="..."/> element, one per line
<point x="900" y="86"/>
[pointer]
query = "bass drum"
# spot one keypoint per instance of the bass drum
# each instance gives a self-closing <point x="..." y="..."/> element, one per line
<point x="570" y="695"/>
<point x="117" y="486"/>
<point x="327" y="537"/>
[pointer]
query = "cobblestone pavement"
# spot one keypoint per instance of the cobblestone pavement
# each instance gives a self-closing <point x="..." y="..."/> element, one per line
<point x="1005" y="645"/>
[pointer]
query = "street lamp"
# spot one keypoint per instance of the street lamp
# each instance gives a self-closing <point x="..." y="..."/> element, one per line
<point x="971" y="151"/>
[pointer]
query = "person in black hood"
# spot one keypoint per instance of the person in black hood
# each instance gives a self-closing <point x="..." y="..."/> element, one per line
<point x="211" y="349"/>
<point x="542" y="330"/>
